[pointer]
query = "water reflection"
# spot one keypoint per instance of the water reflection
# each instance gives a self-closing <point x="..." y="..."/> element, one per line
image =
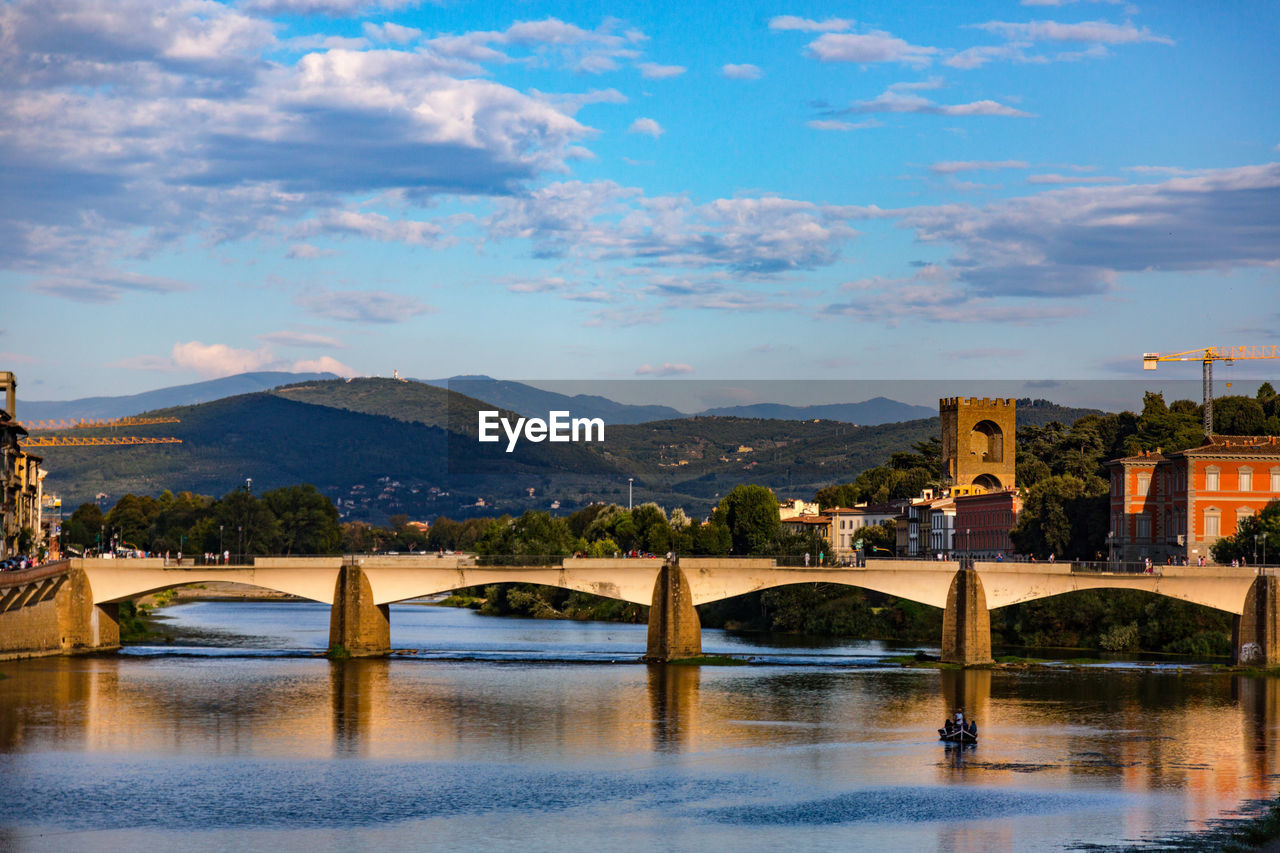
<point x="809" y="754"/>
<point x="673" y="700"/>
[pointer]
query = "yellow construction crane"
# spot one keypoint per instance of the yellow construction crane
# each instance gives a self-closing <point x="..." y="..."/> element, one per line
<point x="91" y="441"/>
<point x="93" y="423"/>
<point x="1207" y="357"/>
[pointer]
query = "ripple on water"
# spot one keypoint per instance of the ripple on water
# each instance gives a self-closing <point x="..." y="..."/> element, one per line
<point x="914" y="805"/>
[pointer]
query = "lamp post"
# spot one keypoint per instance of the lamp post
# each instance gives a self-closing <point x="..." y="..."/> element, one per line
<point x="630" y="480"/>
<point x="1255" y="549"/>
<point x="968" y="548"/>
<point x="1264" y="549"/>
<point x="240" y="546"/>
<point x="219" y="541"/>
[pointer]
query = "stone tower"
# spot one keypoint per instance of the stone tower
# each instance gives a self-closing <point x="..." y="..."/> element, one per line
<point x="977" y="441"/>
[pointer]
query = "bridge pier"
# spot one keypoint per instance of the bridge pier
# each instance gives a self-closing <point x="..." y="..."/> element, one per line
<point x="50" y="611"/>
<point x="674" y="630"/>
<point x="966" y="622"/>
<point x="1257" y="630"/>
<point x="358" y="628"/>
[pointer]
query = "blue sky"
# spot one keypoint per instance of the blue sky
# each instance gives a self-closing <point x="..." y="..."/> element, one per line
<point x="538" y="190"/>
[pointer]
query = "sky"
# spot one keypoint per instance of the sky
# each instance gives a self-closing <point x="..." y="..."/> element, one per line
<point x="716" y="190"/>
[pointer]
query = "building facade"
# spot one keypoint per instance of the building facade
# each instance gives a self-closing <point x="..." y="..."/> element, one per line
<point x="983" y="522"/>
<point x="1177" y="505"/>
<point x="978" y="441"/>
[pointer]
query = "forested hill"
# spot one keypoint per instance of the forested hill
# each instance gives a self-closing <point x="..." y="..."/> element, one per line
<point x="381" y="446"/>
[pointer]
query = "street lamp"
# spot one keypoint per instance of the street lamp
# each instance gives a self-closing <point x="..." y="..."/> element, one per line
<point x="220" y="542"/>
<point x="1264" y="549"/>
<point x="248" y="484"/>
<point x="630" y="480"/>
<point x="240" y="546"/>
<point x="967" y="548"/>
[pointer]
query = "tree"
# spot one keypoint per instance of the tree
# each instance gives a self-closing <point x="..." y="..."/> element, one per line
<point x="751" y="515"/>
<point x="83" y="527"/>
<point x="308" y="521"/>
<point x="1242" y="545"/>
<point x="1062" y="515"/>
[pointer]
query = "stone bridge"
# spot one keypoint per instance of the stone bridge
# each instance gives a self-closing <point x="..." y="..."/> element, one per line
<point x="70" y="607"/>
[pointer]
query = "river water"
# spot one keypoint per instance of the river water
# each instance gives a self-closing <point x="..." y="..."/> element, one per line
<point x="541" y="735"/>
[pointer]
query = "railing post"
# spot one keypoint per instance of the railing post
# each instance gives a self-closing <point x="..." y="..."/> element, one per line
<point x="966" y="623"/>
<point x="358" y="628"/>
<point x="674" y="630"/>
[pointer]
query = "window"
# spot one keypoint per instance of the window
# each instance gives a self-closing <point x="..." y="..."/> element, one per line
<point x="1144" y="485"/>
<point x="1211" y="480"/>
<point x="1212" y="523"/>
<point x="1242" y="513"/>
<point x="1144" y="527"/>
<point x="1275" y="481"/>
<point x="1246" y="479"/>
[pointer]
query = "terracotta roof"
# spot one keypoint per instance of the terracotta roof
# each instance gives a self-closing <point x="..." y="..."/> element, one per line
<point x="807" y="519"/>
<point x="1235" y="445"/>
<point x="1153" y="458"/>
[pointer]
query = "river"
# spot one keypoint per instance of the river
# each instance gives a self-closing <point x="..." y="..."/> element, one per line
<point x="544" y="735"/>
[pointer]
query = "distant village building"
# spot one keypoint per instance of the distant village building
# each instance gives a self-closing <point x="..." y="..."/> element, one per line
<point x="794" y="507"/>
<point x="1178" y="504"/>
<point x="805" y="524"/>
<point x="847" y="523"/>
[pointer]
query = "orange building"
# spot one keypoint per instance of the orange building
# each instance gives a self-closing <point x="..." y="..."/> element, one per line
<point x="1178" y="504"/>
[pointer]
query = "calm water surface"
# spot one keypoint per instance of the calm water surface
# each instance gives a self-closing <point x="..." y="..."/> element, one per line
<point x="546" y="736"/>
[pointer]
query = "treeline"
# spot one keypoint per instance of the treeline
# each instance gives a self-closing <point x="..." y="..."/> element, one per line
<point x="289" y="520"/>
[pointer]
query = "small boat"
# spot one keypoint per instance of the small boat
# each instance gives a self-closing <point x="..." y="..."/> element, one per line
<point x="959" y="736"/>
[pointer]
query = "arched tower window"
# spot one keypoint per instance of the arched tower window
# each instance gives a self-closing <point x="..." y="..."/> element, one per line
<point x="986" y="441"/>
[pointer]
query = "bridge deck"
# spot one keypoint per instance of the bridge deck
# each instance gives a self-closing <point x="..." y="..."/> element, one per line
<point x="396" y="578"/>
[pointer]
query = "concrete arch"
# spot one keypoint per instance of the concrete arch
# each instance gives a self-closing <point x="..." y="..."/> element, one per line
<point x="1225" y="589"/>
<point x="119" y="580"/>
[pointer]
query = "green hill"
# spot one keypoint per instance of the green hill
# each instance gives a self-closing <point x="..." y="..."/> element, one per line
<point x="380" y="446"/>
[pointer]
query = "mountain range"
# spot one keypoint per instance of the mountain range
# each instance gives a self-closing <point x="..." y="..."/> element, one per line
<point x="378" y="447"/>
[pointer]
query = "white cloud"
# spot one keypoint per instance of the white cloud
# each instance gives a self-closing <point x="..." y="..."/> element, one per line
<point x="373" y="226"/>
<point x="1096" y="32"/>
<point x="605" y="221"/>
<point x="1072" y="179"/>
<point x="743" y="71"/>
<point x="219" y="359"/>
<point x="805" y="25"/>
<point x="324" y="364"/>
<point x="836" y="124"/>
<point x="391" y="32"/>
<point x="654" y="71"/>
<point x="291" y="338"/>
<point x="358" y="306"/>
<point x="897" y="102"/>
<point x="306" y="251"/>
<point x="1075" y="242"/>
<point x="335" y="8"/>
<point x="125" y="128"/>
<point x="549" y="41"/>
<point x="869" y="47"/>
<point x="667" y="369"/>
<point x="108" y="287"/>
<point x="951" y="167"/>
<point x="647" y="126"/>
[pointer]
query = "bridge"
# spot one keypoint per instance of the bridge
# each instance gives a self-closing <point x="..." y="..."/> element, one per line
<point x="71" y="607"/>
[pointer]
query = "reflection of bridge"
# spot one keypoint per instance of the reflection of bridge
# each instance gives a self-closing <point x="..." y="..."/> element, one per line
<point x="70" y="606"/>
